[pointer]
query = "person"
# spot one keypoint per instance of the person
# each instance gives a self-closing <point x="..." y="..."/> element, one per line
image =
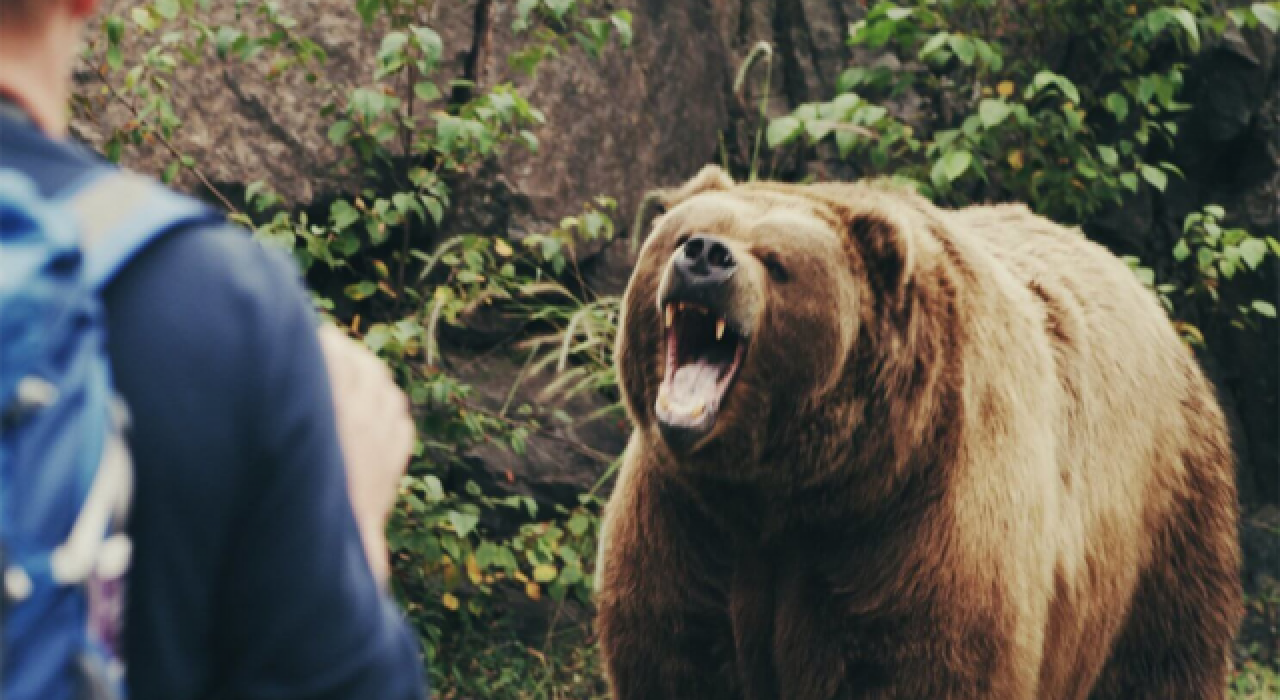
<point x="259" y="560"/>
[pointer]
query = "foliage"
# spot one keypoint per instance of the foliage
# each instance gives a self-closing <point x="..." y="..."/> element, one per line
<point x="1010" y="122"/>
<point x="408" y="136"/>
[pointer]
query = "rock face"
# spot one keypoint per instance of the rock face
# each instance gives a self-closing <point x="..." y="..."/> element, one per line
<point x="650" y="116"/>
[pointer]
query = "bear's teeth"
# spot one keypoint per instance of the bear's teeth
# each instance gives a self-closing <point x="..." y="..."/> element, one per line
<point x="720" y="329"/>
<point x="671" y="315"/>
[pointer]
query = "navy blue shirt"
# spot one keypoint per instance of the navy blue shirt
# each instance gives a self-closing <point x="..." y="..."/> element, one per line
<point x="249" y="580"/>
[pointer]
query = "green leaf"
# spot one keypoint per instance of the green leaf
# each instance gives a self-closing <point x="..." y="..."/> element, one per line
<point x="338" y="131"/>
<point x="621" y="20"/>
<point x="378" y="334"/>
<point x="578" y="524"/>
<point x="224" y="39"/>
<point x="1181" y="251"/>
<point x="463" y="523"/>
<point x="1108" y="155"/>
<point x="343" y="214"/>
<point x="1155" y="176"/>
<point x="898" y="13"/>
<point x="368" y="9"/>
<point x="1268" y="15"/>
<point x="1253" y="251"/>
<point x="1118" y="105"/>
<point x="1047" y="78"/>
<point x="360" y="291"/>
<point x="143" y="18"/>
<point x="1215" y="210"/>
<point x="993" y="112"/>
<point x="1264" y="308"/>
<point x="1188" y="22"/>
<point x="954" y="164"/>
<point x="933" y="44"/>
<point x="1204" y="258"/>
<point x="1130" y="181"/>
<point x="168" y="9"/>
<point x="115" y="29"/>
<point x="845" y="141"/>
<point x="783" y="130"/>
<point x="435" y="208"/>
<point x="964" y="49"/>
<point x="428" y="42"/>
<point x="392" y="46"/>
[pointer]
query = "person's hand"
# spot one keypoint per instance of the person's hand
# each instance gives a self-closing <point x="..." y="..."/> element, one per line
<point x="377" y="434"/>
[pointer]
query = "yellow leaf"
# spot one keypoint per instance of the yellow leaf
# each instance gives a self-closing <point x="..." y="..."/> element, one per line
<point x="1131" y="10"/>
<point x="1015" y="160"/>
<point x="450" y="601"/>
<point x="442" y="294"/>
<point x="544" y="573"/>
<point x="381" y="267"/>
<point x="1005" y="88"/>
<point x="533" y="590"/>
<point x="473" y="570"/>
<point x="519" y="576"/>
<point x="986" y="91"/>
<point x="502" y="248"/>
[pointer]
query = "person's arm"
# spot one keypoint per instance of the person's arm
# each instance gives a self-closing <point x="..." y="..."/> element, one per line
<point x="377" y="435"/>
<point x="250" y="578"/>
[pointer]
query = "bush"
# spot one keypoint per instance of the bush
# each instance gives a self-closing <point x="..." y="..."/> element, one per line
<point x="1007" y="122"/>
<point x="408" y="140"/>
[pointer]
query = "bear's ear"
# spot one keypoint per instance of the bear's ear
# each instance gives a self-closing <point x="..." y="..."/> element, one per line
<point x="885" y="244"/>
<point x="711" y="178"/>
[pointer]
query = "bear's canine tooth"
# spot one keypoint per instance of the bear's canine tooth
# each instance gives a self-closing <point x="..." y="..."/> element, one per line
<point x="671" y="315"/>
<point x="720" y="329"/>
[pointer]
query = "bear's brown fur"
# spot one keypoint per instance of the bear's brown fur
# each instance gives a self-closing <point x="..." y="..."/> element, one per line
<point x="965" y="456"/>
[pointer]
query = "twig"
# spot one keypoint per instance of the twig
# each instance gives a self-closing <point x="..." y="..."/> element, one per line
<point x="165" y="141"/>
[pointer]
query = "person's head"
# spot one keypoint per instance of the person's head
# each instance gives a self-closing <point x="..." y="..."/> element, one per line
<point x="38" y="44"/>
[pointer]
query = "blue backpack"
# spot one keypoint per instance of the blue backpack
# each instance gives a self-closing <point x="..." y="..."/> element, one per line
<point x="65" y="474"/>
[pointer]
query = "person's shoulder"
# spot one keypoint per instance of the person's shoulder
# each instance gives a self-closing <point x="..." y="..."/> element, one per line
<point x="225" y="255"/>
<point x="211" y="293"/>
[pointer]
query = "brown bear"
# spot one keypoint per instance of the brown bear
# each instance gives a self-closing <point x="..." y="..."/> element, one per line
<point x="886" y="450"/>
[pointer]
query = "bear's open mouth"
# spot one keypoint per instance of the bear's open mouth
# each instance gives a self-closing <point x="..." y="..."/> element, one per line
<point x="704" y="352"/>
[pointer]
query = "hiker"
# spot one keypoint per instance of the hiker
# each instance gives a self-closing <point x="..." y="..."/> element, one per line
<point x="258" y="565"/>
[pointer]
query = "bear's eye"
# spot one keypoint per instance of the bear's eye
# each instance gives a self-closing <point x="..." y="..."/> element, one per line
<point x="773" y="263"/>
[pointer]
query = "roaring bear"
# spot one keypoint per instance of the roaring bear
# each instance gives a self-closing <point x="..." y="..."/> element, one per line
<point x="886" y="450"/>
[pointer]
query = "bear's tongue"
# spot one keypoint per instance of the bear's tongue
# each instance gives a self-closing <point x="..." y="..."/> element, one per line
<point x="694" y="386"/>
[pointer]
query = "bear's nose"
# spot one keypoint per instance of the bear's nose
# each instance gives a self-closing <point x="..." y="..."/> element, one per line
<point x="705" y="259"/>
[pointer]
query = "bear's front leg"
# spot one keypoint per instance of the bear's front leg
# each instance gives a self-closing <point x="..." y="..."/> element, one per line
<point x="662" y="620"/>
<point x="836" y="640"/>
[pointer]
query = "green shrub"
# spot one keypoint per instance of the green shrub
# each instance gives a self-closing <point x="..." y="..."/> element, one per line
<point x="1005" y="126"/>
<point x="451" y="569"/>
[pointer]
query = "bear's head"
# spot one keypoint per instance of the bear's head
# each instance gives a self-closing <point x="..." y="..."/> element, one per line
<point x="746" y="311"/>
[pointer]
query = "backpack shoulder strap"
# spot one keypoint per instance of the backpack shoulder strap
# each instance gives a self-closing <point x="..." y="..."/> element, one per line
<point x="120" y="213"/>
